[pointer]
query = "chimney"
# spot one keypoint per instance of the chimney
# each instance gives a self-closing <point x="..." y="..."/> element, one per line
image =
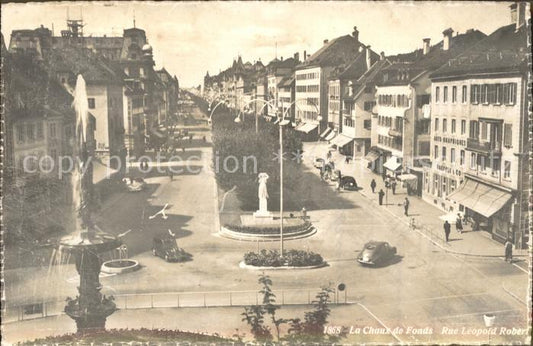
<point x="520" y="15"/>
<point x="447" y="37"/>
<point x="355" y="33"/>
<point x="426" y="45"/>
<point x="382" y="56"/>
<point x="281" y="58"/>
<point x="368" y="58"/>
<point x="513" y="12"/>
<point x="296" y="57"/>
<point x="305" y="55"/>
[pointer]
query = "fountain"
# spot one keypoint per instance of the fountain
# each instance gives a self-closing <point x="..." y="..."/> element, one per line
<point x="90" y="308"/>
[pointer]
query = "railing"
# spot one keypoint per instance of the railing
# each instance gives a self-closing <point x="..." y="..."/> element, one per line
<point x="304" y="296"/>
<point x="487" y="147"/>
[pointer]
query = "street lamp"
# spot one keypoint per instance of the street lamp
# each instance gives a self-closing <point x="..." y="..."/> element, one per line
<point x="282" y="122"/>
<point x="213" y="110"/>
<point x="265" y="103"/>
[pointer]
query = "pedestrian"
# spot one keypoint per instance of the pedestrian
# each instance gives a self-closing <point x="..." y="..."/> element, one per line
<point x="203" y="138"/>
<point x="338" y="185"/>
<point x="447" y="228"/>
<point x="508" y="251"/>
<point x="190" y="137"/>
<point x="170" y="174"/>
<point x="459" y="224"/>
<point x="383" y="175"/>
<point x="328" y="156"/>
<point x="380" y="196"/>
<point x="347" y="160"/>
<point x="393" y="186"/>
<point x="373" y="185"/>
<point x="406" y="207"/>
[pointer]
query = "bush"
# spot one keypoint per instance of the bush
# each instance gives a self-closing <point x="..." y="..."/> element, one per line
<point x="291" y="258"/>
<point x="268" y="230"/>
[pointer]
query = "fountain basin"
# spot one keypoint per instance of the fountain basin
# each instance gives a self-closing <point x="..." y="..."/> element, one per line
<point x="120" y="266"/>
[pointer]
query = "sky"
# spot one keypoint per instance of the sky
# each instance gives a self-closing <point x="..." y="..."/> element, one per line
<point x="191" y="38"/>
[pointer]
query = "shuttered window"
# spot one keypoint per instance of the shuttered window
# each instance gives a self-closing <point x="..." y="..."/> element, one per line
<point x="483" y="131"/>
<point x="508" y="135"/>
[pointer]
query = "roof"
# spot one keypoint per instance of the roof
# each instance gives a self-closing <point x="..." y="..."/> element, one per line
<point x="505" y="50"/>
<point x="338" y="51"/>
<point x="358" y="67"/>
<point x="405" y="68"/>
<point x="286" y="82"/>
<point x="370" y="77"/>
<point x="81" y="61"/>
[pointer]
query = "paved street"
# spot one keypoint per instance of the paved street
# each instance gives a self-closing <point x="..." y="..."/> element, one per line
<point x="424" y="285"/>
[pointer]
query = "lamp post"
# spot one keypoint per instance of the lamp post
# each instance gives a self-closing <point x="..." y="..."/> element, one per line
<point x="265" y="103"/>
<point x="319" y="117"/>
<point x="213" y="110"/>
<point x="282" y="122"/>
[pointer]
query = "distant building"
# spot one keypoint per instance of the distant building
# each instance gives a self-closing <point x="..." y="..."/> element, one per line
<point x="479" y="137"/>
<point x="277" y="70"/>
<point x="311" y="82"/>
<point x="403" y="106"/>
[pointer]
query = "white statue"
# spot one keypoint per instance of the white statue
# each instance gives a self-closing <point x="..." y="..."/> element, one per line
<point x="263" y="193"/>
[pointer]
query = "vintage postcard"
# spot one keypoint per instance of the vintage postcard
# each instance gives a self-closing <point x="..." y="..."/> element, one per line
<point x="266" y="173"/>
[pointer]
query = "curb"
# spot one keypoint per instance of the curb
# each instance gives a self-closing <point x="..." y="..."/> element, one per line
<point x="229" y="234"/>
<point x="251" y="267"/>
<point x="513" y="295"/>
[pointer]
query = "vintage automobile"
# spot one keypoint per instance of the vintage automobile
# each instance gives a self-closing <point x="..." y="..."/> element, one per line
<point x="348" y="183"/>
<point x="167" y="248"/>
<point x="134" y="184"/>
<point x="376" y="253"/>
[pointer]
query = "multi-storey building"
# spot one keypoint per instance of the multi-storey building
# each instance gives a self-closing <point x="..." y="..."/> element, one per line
<point x="479" y="136"/>
<point x="311" y="82"/>
<point x="276" y="71"/>
<point x="403" y="110"/>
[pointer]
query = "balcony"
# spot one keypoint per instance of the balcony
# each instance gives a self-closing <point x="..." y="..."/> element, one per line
<point x="395" y="133"/>
<point x="474" y="144"/>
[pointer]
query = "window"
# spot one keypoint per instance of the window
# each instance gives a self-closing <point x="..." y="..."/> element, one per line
<point x="444" y="125"/>
<point x="436" y="124"/>
<point x="508" y="135"/>
<point x="40" y="133"/>
<point x="463" y="127"/>
<point x="367" y="124"/>
<point x="462" y="157"/>
<point x="52" y="130"/>
<point x="474" y="129"/>
<point x="473" y="161"/>
<point x="454" y="94"/>
<point x="20" y="133"/>
<point x="437" y="92"/>
<point x="509" y="93"/>
<point x="445" y="96"/>
<point x="443" y="153"/>
<point x="453" y="125"/>
<point x="141" y="71"/>
<point x="474" y="94"/>
<point x="507" y="169"/>
<point x="483" y="131"/>
<point x="91" y="102"/>
<point x="498" y="94"/>
<point x="482" y="162"/>
<point x="30" y="132"/>
<point x="369" y="105"/>
<point x="464" y="94"/>
<point x="484" y="94"/>
<point x="452" y="155"/>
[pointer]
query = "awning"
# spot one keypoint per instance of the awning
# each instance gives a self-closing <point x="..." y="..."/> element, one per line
<point x="372" y="156"/>
<point x="325" y="133"/>
<point x="392" y="164"/>
<point x="481" y="198"/>
<point x="331" y="135"/>
<point x="407" y="177"/>
<point x="157" y="133"/>
<point x="101" y="171"/>
<point x="306" y="128"/>
<point x="341" y="140"/>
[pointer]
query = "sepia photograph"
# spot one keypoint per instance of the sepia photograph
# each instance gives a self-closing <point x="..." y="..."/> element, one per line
<point x="266" y="173"/>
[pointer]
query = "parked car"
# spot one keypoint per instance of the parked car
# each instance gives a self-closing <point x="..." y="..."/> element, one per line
<point x="376" y="253"/>
<point x="348" y="183"/>
<point x="319" y="162"/>
<point x="167" y="248"/>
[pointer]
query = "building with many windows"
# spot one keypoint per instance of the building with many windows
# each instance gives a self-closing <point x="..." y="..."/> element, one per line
<point x="479" y="135"/>
<point x="403" y="106"/>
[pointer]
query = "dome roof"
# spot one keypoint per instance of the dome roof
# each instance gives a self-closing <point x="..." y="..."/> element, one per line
<point x="147" y="47"/>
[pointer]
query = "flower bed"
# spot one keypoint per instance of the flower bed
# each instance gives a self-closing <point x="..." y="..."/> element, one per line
<point x="269" y="230"/>
<point x="291" y="258"/>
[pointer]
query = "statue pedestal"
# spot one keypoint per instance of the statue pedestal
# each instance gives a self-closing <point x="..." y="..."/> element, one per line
<point x="263" y="214"/>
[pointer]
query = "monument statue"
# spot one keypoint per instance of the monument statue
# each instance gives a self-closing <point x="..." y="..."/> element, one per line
<point x="263" y="197"/>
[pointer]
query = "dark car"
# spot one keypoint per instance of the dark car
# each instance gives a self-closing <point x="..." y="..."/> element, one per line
<point x="348" y="183"/>
<point x="167" y="248"/>
<point x="376" y="253"/>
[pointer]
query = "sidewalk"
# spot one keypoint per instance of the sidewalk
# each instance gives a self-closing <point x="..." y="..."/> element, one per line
<point x="426" y="216"/>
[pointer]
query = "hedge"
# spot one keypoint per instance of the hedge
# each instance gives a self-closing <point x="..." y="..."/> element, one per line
<point x="268" y="230"/>
<point x="291" y="258"/>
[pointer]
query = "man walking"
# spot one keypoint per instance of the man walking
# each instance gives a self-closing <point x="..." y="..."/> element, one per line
<point x="393" y="187"/>
<point x="459" y="224"/>
<point x="373" y="185"/>
<point x="380" y="196"/>
<point x="447" y="228"/>
<point x="406" y="207"/>
<point x="508" y="251"/>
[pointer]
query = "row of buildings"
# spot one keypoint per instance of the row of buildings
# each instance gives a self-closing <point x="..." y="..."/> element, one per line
<point x="449" y="119"/>
<point x="130" y="102"/>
